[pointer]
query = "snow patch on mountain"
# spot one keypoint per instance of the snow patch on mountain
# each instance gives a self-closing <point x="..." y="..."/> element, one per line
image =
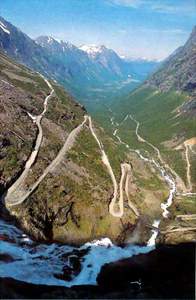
<point x="54" y="43"/>
<point x="50" y="40"/>
<point x="4" y="28"/>
<point x="92" y="50"/>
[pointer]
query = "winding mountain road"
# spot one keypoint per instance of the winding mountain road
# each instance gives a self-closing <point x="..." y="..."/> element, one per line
<point x="17" y="194"/>
<point x="188" y="168"/>
<point x="17" y="190"/>
<point x="167" y="177"/>
<point x="186" y="217"/>
<point x="127" y="182"/>
<point x="162" y="167"/>
<point x="12" y="200"/>
<point x="116" y="208"/>
<point x="179" y="182"/>
<point x="188" y="172"/>
<point x="188" y="145"/>
<point x="182" y="229"/>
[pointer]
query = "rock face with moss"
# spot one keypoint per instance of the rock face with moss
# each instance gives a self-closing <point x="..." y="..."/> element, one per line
<point x="71" y="203"/>
<point x="178" y="71"/>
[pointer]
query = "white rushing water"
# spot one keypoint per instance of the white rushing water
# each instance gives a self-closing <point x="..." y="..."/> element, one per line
<point x="167" y="177"/>
<point x="152" y="239"/>
<point x="38" y="263"/>
<point x="170" y="181"/>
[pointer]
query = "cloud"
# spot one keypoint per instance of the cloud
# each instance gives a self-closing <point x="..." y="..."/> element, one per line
<point x="126" y="3"/>
<point x="174" y="31"/>
<point x="174" y="8"/>
<point x="160" y="6"/>
<point x="122" y="31"/>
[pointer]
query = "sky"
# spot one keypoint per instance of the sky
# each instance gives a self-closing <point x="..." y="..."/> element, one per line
<point x="150" y="29"/>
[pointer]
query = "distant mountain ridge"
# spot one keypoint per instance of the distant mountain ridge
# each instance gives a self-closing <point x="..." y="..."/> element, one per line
<point x="98" y="60"/>
<point x="107" y="58"/>
<point x="92" y="50"/>
<point x="76" y="69"/>
<point x="179" y="69"/>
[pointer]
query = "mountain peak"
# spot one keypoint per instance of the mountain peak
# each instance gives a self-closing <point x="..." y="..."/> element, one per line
<point x="178" y="70"/>
<point x="93" y="49"/>
<point x="53" y="43"/>
<point x="192" y="38"/>
<point x="46" y="39"/>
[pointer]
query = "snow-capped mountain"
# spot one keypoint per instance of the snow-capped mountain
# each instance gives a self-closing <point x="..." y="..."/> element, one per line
<point x="79" y="69"/>
<point x="104" y="60"/>
<point x="70" y="56"/>
<point x="93" y="50"/>
<point x="22" y="48"/>
<point x="54" y="44"/>
<point x="107" y="58"/>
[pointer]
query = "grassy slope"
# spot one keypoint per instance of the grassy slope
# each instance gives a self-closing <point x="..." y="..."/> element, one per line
<point x="156" y="112"/>
<point x="72" y="202"/>
<point x="27" y="93"/>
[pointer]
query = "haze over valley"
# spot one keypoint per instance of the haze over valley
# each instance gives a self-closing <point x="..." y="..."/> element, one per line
<point x="98" y="151"/>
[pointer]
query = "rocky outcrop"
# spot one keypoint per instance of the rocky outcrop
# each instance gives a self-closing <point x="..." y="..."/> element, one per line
<point x="178" y="70"/>
<point x="158" y="274"/>
<point x="165" y="273"/>
<point x="178" y="73"/>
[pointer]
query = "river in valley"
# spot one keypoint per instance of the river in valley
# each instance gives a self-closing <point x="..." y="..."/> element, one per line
<point x="26" y="260"/>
